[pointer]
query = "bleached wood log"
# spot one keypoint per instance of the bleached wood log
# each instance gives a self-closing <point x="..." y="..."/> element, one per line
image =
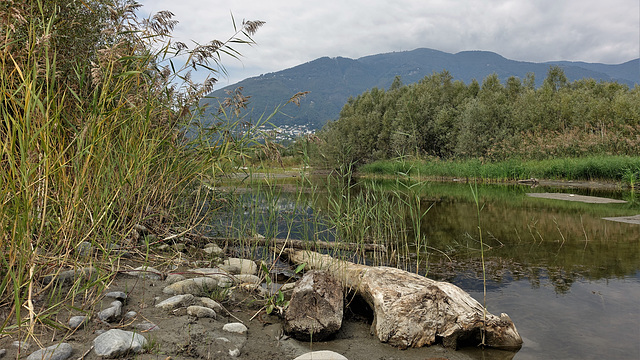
<point x="413" y="311"/>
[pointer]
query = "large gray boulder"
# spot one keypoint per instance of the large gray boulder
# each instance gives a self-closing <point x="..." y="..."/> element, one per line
<point x="316" y="307"/>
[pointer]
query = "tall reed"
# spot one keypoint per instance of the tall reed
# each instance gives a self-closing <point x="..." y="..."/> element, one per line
<point x="86" y="157"/>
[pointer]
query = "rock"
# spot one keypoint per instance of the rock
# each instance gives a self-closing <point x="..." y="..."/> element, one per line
<point x="78" y="321"/>
<point x="116" y="342"/>
<point x="214" y="272"/>
<point x="130" y="315"/>
<point x="112" y="313"/>
<point x="321" y="355"/>
<point x="211" y="304"/>
<point x="84" y="249"/>
<point x="239" y="266"/>
<point x="315" y="310"/>
<point x="146" y="272"/>
<point x="201" y="312"/>
<point x="146" y="326"/>
<point x="233" y="341"/>
<point x="141" y="229"/>
<point x="118" y="295"/>
<point x="232" y="349"/>
<point x="174" y="278"/>
<point x="70" y="275"/>
<point x="3" y="352"/>
<point x="175" y="302"/>
<point x="198" y="286"/>
<point x="22" y="345"/>
<point x="247" y="279"/>
<point x="237" y="328"/>
<point x="60" y="351"/>
<point x="212" y="249"/>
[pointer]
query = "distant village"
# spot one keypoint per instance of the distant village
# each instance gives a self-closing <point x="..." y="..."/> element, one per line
<point x="285" y="133"/>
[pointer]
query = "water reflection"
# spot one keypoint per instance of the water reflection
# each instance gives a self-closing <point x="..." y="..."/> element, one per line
<point x="525" y="238"/>
<point x="569" y="279"/>
<point x="595" y="320"/>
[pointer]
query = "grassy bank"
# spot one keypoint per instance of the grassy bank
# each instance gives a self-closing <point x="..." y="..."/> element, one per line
<point x="624" y="169"/>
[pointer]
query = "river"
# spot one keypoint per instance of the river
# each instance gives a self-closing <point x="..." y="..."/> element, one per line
<point x="569" y="279"/>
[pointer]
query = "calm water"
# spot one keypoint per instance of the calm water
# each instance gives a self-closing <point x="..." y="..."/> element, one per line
<point x="569" y="280"/>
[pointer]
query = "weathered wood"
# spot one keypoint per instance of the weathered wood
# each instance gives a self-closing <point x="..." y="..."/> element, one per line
<point x="413" y="311"/>
<point x="315" y="309"/>
<point x="297" y="244"/>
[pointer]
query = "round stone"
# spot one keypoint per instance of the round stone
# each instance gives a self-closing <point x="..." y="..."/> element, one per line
<point x="237" y="328"/>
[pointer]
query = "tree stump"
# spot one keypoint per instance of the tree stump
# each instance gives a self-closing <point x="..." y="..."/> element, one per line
<point x="413" y="311"/>
<point x="316" y="306"/>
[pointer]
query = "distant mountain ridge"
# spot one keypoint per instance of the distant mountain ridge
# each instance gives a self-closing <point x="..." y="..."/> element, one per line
<point x="331" y="81"/>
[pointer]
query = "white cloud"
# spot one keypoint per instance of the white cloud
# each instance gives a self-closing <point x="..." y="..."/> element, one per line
<point x="299" y="31"/>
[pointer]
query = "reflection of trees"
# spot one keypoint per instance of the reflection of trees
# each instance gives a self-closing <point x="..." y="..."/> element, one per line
<point x="561" y="244"/>
<point x="531" y="241"/>
<point x="500" y="272"/>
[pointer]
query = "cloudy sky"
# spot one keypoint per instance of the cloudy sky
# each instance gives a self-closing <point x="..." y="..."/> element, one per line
<point x="606" y="31"/>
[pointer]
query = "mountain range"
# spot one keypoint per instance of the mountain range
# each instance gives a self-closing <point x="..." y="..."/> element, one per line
<point x="331" y="81"/>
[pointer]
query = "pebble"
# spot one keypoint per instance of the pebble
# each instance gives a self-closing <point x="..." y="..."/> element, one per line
<point x="116" y="342"/>
<point x="175" y="302"/>
<point x="146" y="326"/>
<point x="118" y="295"/>
<point x="3" y="352"/>
<point x="78" y="321"/>
<point x="208" y="271"/>
<point x="24" y="346"/>
<point x="248" y="279"/>
<point x="197" y="286"/>
<point x="60" y="351"/>
<point x="212" y="249"/>
<point x="146" y="272"/>
<point x="239" y="266"/>
<point x="201" y="312"/>
<point x="130" y="315"/>
<point x="69" y="275"/>
<point x="84" y="249"/>
<point x="321" y="355"/>
<point x="111" y="313"/>
<point x="174" y="278"/>
<point x="211" y="304"/>
<point x="237" y="328"/>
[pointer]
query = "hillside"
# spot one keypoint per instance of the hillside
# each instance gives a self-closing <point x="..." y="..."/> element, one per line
<point x="331" y="81"/>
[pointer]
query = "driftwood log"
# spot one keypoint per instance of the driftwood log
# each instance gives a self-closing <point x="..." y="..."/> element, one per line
<point x="413" y="311"/>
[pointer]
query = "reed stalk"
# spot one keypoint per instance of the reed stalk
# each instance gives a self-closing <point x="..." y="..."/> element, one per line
<point x="90" y="153"/>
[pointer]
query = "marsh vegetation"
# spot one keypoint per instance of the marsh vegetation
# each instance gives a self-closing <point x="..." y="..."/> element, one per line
<point x="101" y="134"/>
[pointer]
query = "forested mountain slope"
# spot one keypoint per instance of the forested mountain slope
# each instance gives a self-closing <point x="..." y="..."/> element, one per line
<point x="331" y="81"/>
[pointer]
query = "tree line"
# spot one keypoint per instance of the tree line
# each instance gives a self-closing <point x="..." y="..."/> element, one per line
<point x="447" y="119"/>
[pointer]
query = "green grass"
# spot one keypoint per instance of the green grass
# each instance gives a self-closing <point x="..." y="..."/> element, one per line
<point x="604" y="168"/>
